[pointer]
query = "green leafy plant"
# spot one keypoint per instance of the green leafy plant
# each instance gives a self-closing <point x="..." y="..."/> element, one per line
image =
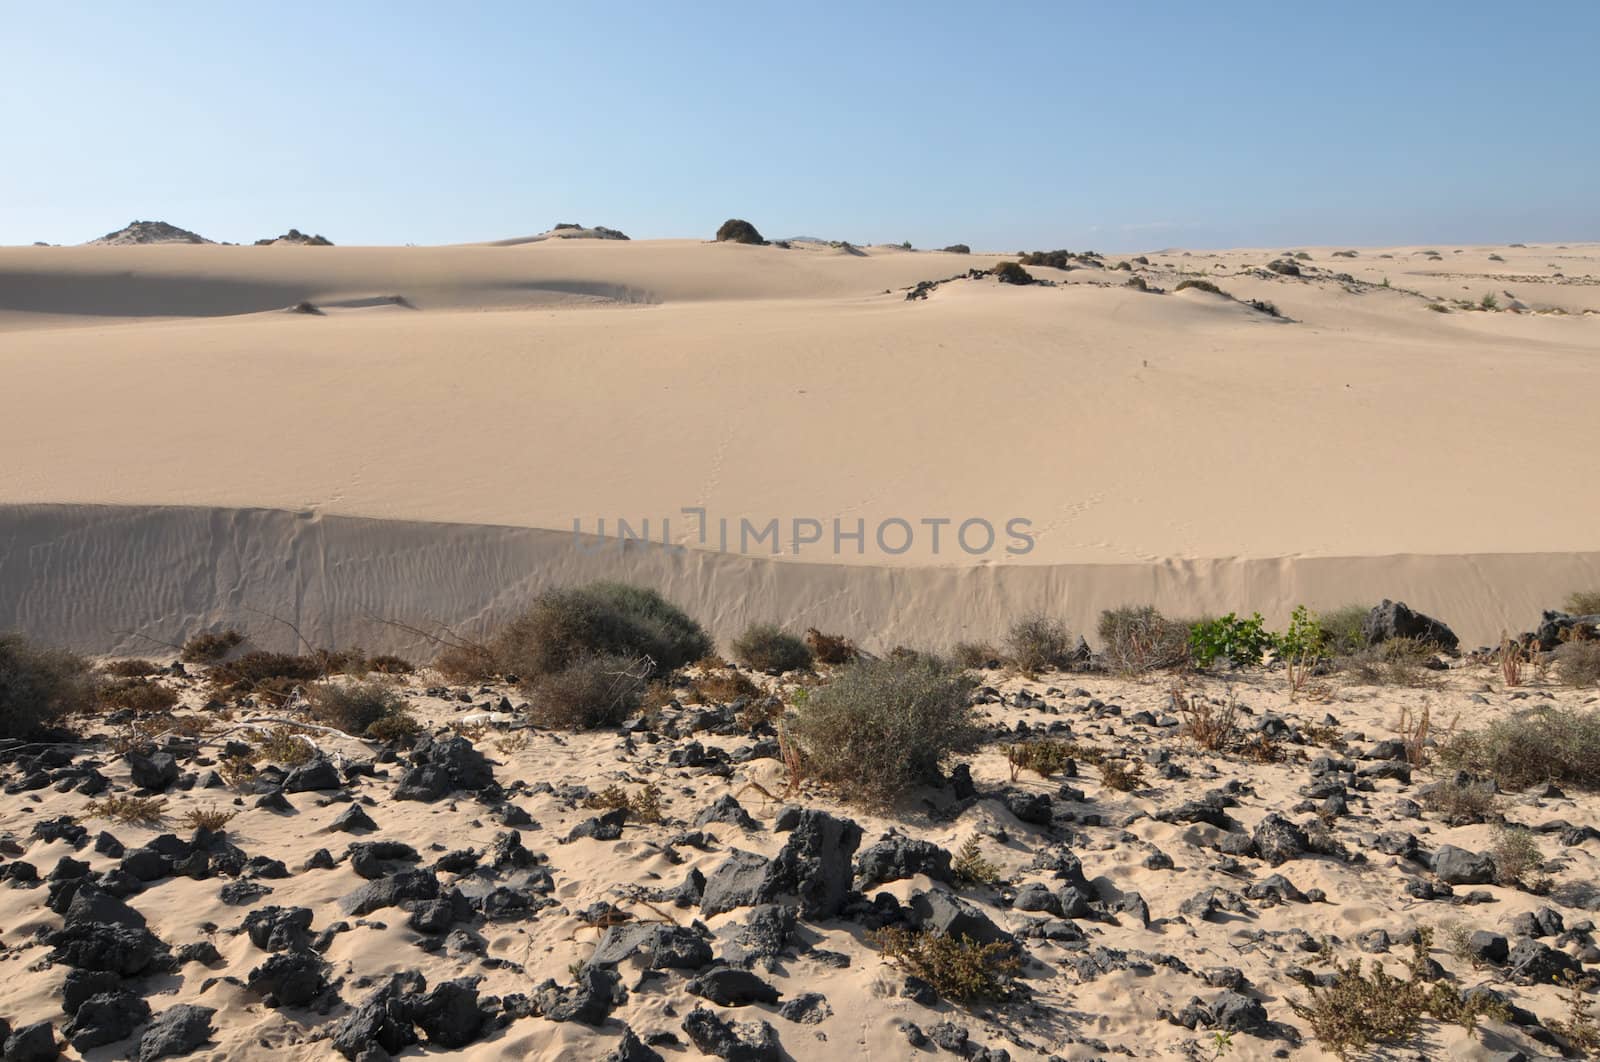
<point x="957" y="967"/>
<point x="970" y="866"/>
<point x="1242" y="642"/>
<point x="1042" y="757"/>
<point x="1301" y="647"/>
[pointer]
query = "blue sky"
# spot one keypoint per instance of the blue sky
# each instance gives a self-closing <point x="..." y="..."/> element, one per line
<point x="1022" y="125"/>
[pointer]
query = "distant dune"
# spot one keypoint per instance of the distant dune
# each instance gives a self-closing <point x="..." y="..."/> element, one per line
<point x="1352" y="431"/>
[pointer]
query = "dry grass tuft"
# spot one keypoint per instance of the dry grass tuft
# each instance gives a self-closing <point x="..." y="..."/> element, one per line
<point x="830" y="648"/>
<point x="1039" y="643"/>
<point x="767" y="647"/>
<point x="130" y="810"/>
<point x="210" y="648"/>
<point x="208" y="818"/>
<point x="595" y="692"/>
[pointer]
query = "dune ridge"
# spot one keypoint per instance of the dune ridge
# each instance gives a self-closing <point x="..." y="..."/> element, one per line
<point x="120" y="579"/>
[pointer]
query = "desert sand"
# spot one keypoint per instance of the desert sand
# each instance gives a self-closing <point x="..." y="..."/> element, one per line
<point x="1174" y="919"/>
<point x="421" y="444"/>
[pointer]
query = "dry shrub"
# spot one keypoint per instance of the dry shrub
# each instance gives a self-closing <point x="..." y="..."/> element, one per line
<point x="389" y="664"/>
<point x="596" y="692"/>
<point x="353" y="707"/>
<point x="957" y="967"/>
<point x="1512" y="656"/>
<point x="1517" y="859"/>
<point x="131" y="810"/>
<point x="1459" y="803"/>
<point x="759" y="711"/>
<point x="1584" y="603"/>
<point x="208" y="818"/>
<point x="1042" y="757"/>
<point x="1200" y="285"/>
<point x="137" y="668"/>
<point x="1415" y="730"/>
<point x="975" y="656"/>
<point x="1214" y="728"/>
<point x="1135" y="639"/>
<point x="1124" y="776"/>
<point x="269" y="676"/>
<point x="466" y="662"/>
<point x="722" y="686"/>
<point x="39" y="687"/>
<point x="399" y="728"/>
<point x="738" y="230"/>
<point x="1341" y="629"/>
<point x="1541" y="745"/>
<point x="210" y="648"/>
<point x="880" y="727"/>
<point x="1396" y="662"/>
<point x="1012" y="273"/>
<point x="830" y="648"/>
<point x="767" y="647"/>
<point x="1038" y="643"/>
<point x="643" y="806"/>
<point x="1578" y="663"/>
<point x="136" y="695"/>
<point x="284" y="746"/>
<point x="565" y="626"/>
<point x="1579" y="1028"/>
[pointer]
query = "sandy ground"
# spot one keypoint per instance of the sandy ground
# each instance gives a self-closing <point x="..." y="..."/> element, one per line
<point x="1077" y="1011"/>
<point x="1175" y="435"/>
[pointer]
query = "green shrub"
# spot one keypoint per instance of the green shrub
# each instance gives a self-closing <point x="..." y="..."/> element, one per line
<point x="1200" y="284"/>
<point x="1517" y="858"/>
<point x="353" y="706"/>
<point x="39" y="686"/>
<point x="1011" y="273"/>
<point x="1584" y="603"/>
<point x="1578" y="663"/>
<point x="1242" y="642"/>
<point x="737" y="230"/>
<point x="564" y="626"/>
<point x="209" y="648"/>
<point x="880" y="727"/>
<point x="598" y="691"/>
<point x="1541" y="745"/>
<point x="397" y="727"/>
<point x="1137" y="638"/>
<point x="1360" y="1009"/>
<point x="1038" y="643"/>
<point x="1458" y="803"/>
<point x="971" y="867"/>
<point x="1042" y="757"/>
<point x="1341" y="629"/>
<point x="958" y="248"/>
<point x="767" y="647"/>
<point x="956" y="967"/>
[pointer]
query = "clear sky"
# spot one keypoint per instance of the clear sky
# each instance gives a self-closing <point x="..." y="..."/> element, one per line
<point x="1006" y="126"/>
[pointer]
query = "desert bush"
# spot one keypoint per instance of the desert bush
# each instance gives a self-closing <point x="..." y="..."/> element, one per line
<point x="594" y="692"/>
<point x="1459" y="803"/>
<point x="136" y="694"/>
<point x="208" y="818"/>
<point x="563" y="626"/>
<point x="1579" y="1028"/>
<point x="880" y="727"/>
<point x="388" y="664"/>
<point x="1038" y="643"/>
<point x="1584" y="603"/>
<point x="1011" y="273"/>
<point x="1301" y="647"/>
<point x="1341" y="629"/>
<point x="1488" y="302"/>
<point x="737" y="230"/>
<point x="1242" y="642"/>
<point x="1124" y="776"/>
<point x="1136" y="283"/>
<point x="211" y="647"/>
<point x="767" y="647"/>
<point x="39" y="686"/>
<point x="956" y="967"/>
<point x="1360" y="1009"/>
<point x="830" y="648"/>
<point x="974" y="655"/>
<point x="1542" y="745"/>
<point x="466" y="662"/>
<point x="270" y="676"/>
<point x="1200" y="284"/>
<point x="1396" y="662"/>
<point x="1263" y="306"/>
<point x="971" y="868"/>
<point x="1578" y="663"/>
<point x="400" y="728"/>
<point x="282" y="745"/>
<point x="1134" y="639"/>
<point x="132" y="668"/>
<point x="1517" y="859"/>
<point x="1042" y="757"/>
<point x="957" y="248"/>
<point x="353" y="706"/>
<point x="1415" y="731"/>
<point x="643" y="806"/>
<point x="131" y="810"/>
<point x="1213" y="727"/>
<point x="723" y="685"/>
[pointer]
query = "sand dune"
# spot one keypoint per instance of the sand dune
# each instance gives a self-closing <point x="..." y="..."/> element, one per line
<point x="1213" y="454"/>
